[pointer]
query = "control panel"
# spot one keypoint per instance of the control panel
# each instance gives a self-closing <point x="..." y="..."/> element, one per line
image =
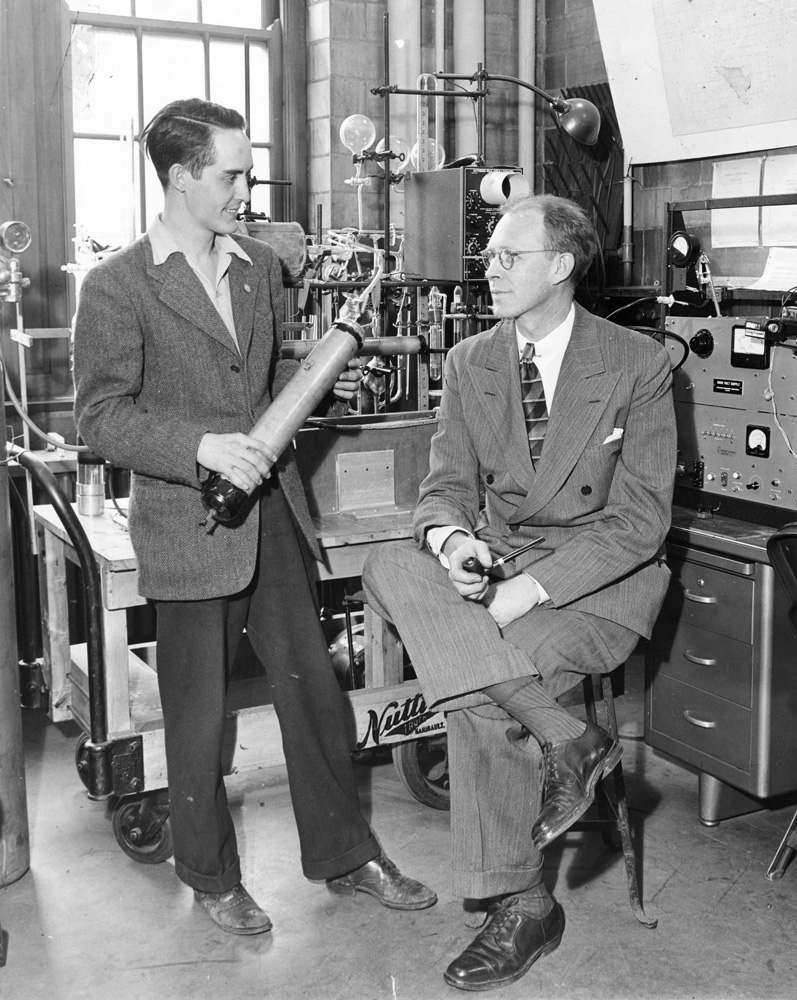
<point x="448" y="222"/>
<point x="736" y="411"/>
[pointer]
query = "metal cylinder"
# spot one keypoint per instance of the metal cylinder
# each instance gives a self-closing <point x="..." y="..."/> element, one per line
<point x="90" y="487"/>
<point x="280" y="423"/>
<point x="14" y="833"/>
<point x="378" y="347"/>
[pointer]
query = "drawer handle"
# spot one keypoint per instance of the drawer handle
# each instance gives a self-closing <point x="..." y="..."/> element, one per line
<point x="699" y="598"/>
<point x="698" y="659"/>
<point x="701" y="723"/>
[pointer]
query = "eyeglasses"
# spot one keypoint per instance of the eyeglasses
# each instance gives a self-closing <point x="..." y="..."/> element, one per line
<point x="506" y="257"/>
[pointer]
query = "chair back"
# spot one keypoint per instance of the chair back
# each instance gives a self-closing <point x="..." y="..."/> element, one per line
<point x="782" y="552"/>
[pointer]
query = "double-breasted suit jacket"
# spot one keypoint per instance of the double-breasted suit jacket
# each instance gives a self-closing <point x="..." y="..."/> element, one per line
<point x="156" y="369"/>
<point x="601" y="491"/>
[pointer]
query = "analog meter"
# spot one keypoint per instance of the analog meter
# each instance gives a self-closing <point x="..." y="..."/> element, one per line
<point x="14" y="237"/>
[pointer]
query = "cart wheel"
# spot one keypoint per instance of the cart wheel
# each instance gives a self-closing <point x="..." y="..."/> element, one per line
<point x="82" y="759"/>
<point x="130" y="837"/>
<point x="423" y="767"/>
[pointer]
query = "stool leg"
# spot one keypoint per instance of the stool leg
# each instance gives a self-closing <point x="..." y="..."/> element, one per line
<point x="605" y="820"/>
<point x="629" y="853"/>
<point x="784" y="853"/>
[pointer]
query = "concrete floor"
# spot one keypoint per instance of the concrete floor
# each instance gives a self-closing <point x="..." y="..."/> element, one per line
<point x="87" y="921"/>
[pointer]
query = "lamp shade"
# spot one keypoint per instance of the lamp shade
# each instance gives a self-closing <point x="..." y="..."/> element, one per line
<point x="580" y="118"/>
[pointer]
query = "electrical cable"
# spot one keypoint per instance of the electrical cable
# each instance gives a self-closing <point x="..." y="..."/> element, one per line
<point x="628" y="305"/>
<point x="775" y="417"/>
<point x="55" y="442"/>
<point x="672" y="336"/>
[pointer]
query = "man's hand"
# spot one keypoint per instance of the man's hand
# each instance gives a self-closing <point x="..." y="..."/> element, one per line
<point x="507" y="600"/>
<point x="244" y="460"/>
<point x="348" y="381"/>
<point x="458" y="548"/>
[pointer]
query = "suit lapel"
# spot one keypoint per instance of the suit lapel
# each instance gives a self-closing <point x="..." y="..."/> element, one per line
<point x="243" y="293"/>
<point x="582" y="391"/>
<point x="495" y="377"/>
<point x="183" y="292"/>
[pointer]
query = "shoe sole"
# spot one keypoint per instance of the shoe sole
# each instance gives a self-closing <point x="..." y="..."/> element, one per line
<point x="345" y="890"/>
<point x="552" y="945"/>
<point x="606" y="766"/>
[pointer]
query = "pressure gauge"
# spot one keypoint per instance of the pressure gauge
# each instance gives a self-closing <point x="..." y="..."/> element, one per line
<point x="683" y="249"/>
<point x="14" y="237"/>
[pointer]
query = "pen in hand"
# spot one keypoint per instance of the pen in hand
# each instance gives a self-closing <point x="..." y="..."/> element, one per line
<point x="472" y="564"/>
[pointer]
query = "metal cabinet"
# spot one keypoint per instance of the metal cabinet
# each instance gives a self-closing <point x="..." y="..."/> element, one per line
<point x="722" y="670"/>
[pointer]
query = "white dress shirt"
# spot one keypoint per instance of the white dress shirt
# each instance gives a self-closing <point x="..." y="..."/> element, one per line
<point x="549" y="353"/>
<point x="164" y="244"/>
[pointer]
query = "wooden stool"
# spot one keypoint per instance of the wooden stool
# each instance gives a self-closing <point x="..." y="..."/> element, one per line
<point x="613" y="809"/>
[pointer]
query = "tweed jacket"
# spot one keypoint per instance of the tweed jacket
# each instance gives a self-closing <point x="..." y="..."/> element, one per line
<point x="601" y="492"/>
<point x="155" y="368"/>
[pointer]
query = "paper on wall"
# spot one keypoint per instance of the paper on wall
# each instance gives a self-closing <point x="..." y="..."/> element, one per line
<point x="779" y="222"/>
<point x="735" y="227"/>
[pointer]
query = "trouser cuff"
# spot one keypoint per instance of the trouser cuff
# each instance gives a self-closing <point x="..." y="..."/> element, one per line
<point x="343" y="863"/>
<point x="210" y="883"/>
<point x="497" y="882"/>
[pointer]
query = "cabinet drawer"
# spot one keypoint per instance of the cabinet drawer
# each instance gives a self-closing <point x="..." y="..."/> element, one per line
<point x="719" y="728"/>
<point x="714" y="663"/>
<point x="711" y="598"/>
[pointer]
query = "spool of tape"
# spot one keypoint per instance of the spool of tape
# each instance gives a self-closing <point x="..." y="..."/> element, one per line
<point x="499" y="186"/>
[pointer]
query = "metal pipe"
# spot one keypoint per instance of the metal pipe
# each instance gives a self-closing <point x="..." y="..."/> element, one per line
<point x="527" y="70"/>
<point x="380" y="347"/>
<point x="100" y="781"/>
<point x="14" y="830"/>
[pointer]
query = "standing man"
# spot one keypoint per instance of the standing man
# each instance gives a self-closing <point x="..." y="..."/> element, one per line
<point x="577" y="446"/>
<point x="177" y="353"/>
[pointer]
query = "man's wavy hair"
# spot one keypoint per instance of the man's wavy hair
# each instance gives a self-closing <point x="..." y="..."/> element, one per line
<point x="184" y="132"/>
<point x="566" y="225"/>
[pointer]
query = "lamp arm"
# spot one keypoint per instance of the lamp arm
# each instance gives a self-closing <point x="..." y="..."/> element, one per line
<point x="557" y="103"/>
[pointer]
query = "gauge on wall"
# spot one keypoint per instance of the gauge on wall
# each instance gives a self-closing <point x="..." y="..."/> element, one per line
<point x="14" y="237"/>
<point x="683" y="249"/>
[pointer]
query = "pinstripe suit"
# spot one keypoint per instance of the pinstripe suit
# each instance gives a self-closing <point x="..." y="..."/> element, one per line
<point x="156" y="369"/>
<point x="600" y="495"/>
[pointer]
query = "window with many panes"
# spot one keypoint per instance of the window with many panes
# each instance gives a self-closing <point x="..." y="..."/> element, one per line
<point x="131" y="57"/>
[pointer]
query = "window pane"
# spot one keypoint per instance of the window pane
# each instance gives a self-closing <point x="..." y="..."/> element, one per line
<point x="101" y="6"/>
<point x="259" y="98"/>
<point x="227" y="76"/>
<point x="173" y="10"/>
<point x="103" y="191"/>
<point x="234" y="13"/>
<point x="103" y="80"/>
<point x="261" y="193"/>
<point x="173" y="69"/>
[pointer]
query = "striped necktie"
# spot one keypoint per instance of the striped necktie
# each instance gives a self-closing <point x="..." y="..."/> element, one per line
<point x="535" y="409"/>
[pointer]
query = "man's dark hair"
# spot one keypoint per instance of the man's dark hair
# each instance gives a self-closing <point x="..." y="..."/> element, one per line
<point x="567" y="228"/>
<point x="184" y="132"/>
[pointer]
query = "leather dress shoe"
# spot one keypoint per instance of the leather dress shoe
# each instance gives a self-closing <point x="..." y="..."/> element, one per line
<point x="507" y="947"/>
<point x="234" y="911"/>
<point x="572" y="770"/>
<point x="381" y="879"/>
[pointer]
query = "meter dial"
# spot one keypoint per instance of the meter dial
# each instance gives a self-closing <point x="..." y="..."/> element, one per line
<point x="15" y="236"/>
<point x="683" y="249"/>
<point x="757" y="441"/>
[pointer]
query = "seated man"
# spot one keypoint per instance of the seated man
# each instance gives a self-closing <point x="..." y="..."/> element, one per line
<point x="590" y="469"/>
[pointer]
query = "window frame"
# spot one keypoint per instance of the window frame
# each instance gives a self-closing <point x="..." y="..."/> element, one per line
<point x="270" y="36"/>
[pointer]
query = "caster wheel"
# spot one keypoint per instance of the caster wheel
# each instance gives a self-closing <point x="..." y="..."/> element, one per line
<point x="423" y="767"/>
<point x="82" y="759"/>
<point x="140" y="838"/>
